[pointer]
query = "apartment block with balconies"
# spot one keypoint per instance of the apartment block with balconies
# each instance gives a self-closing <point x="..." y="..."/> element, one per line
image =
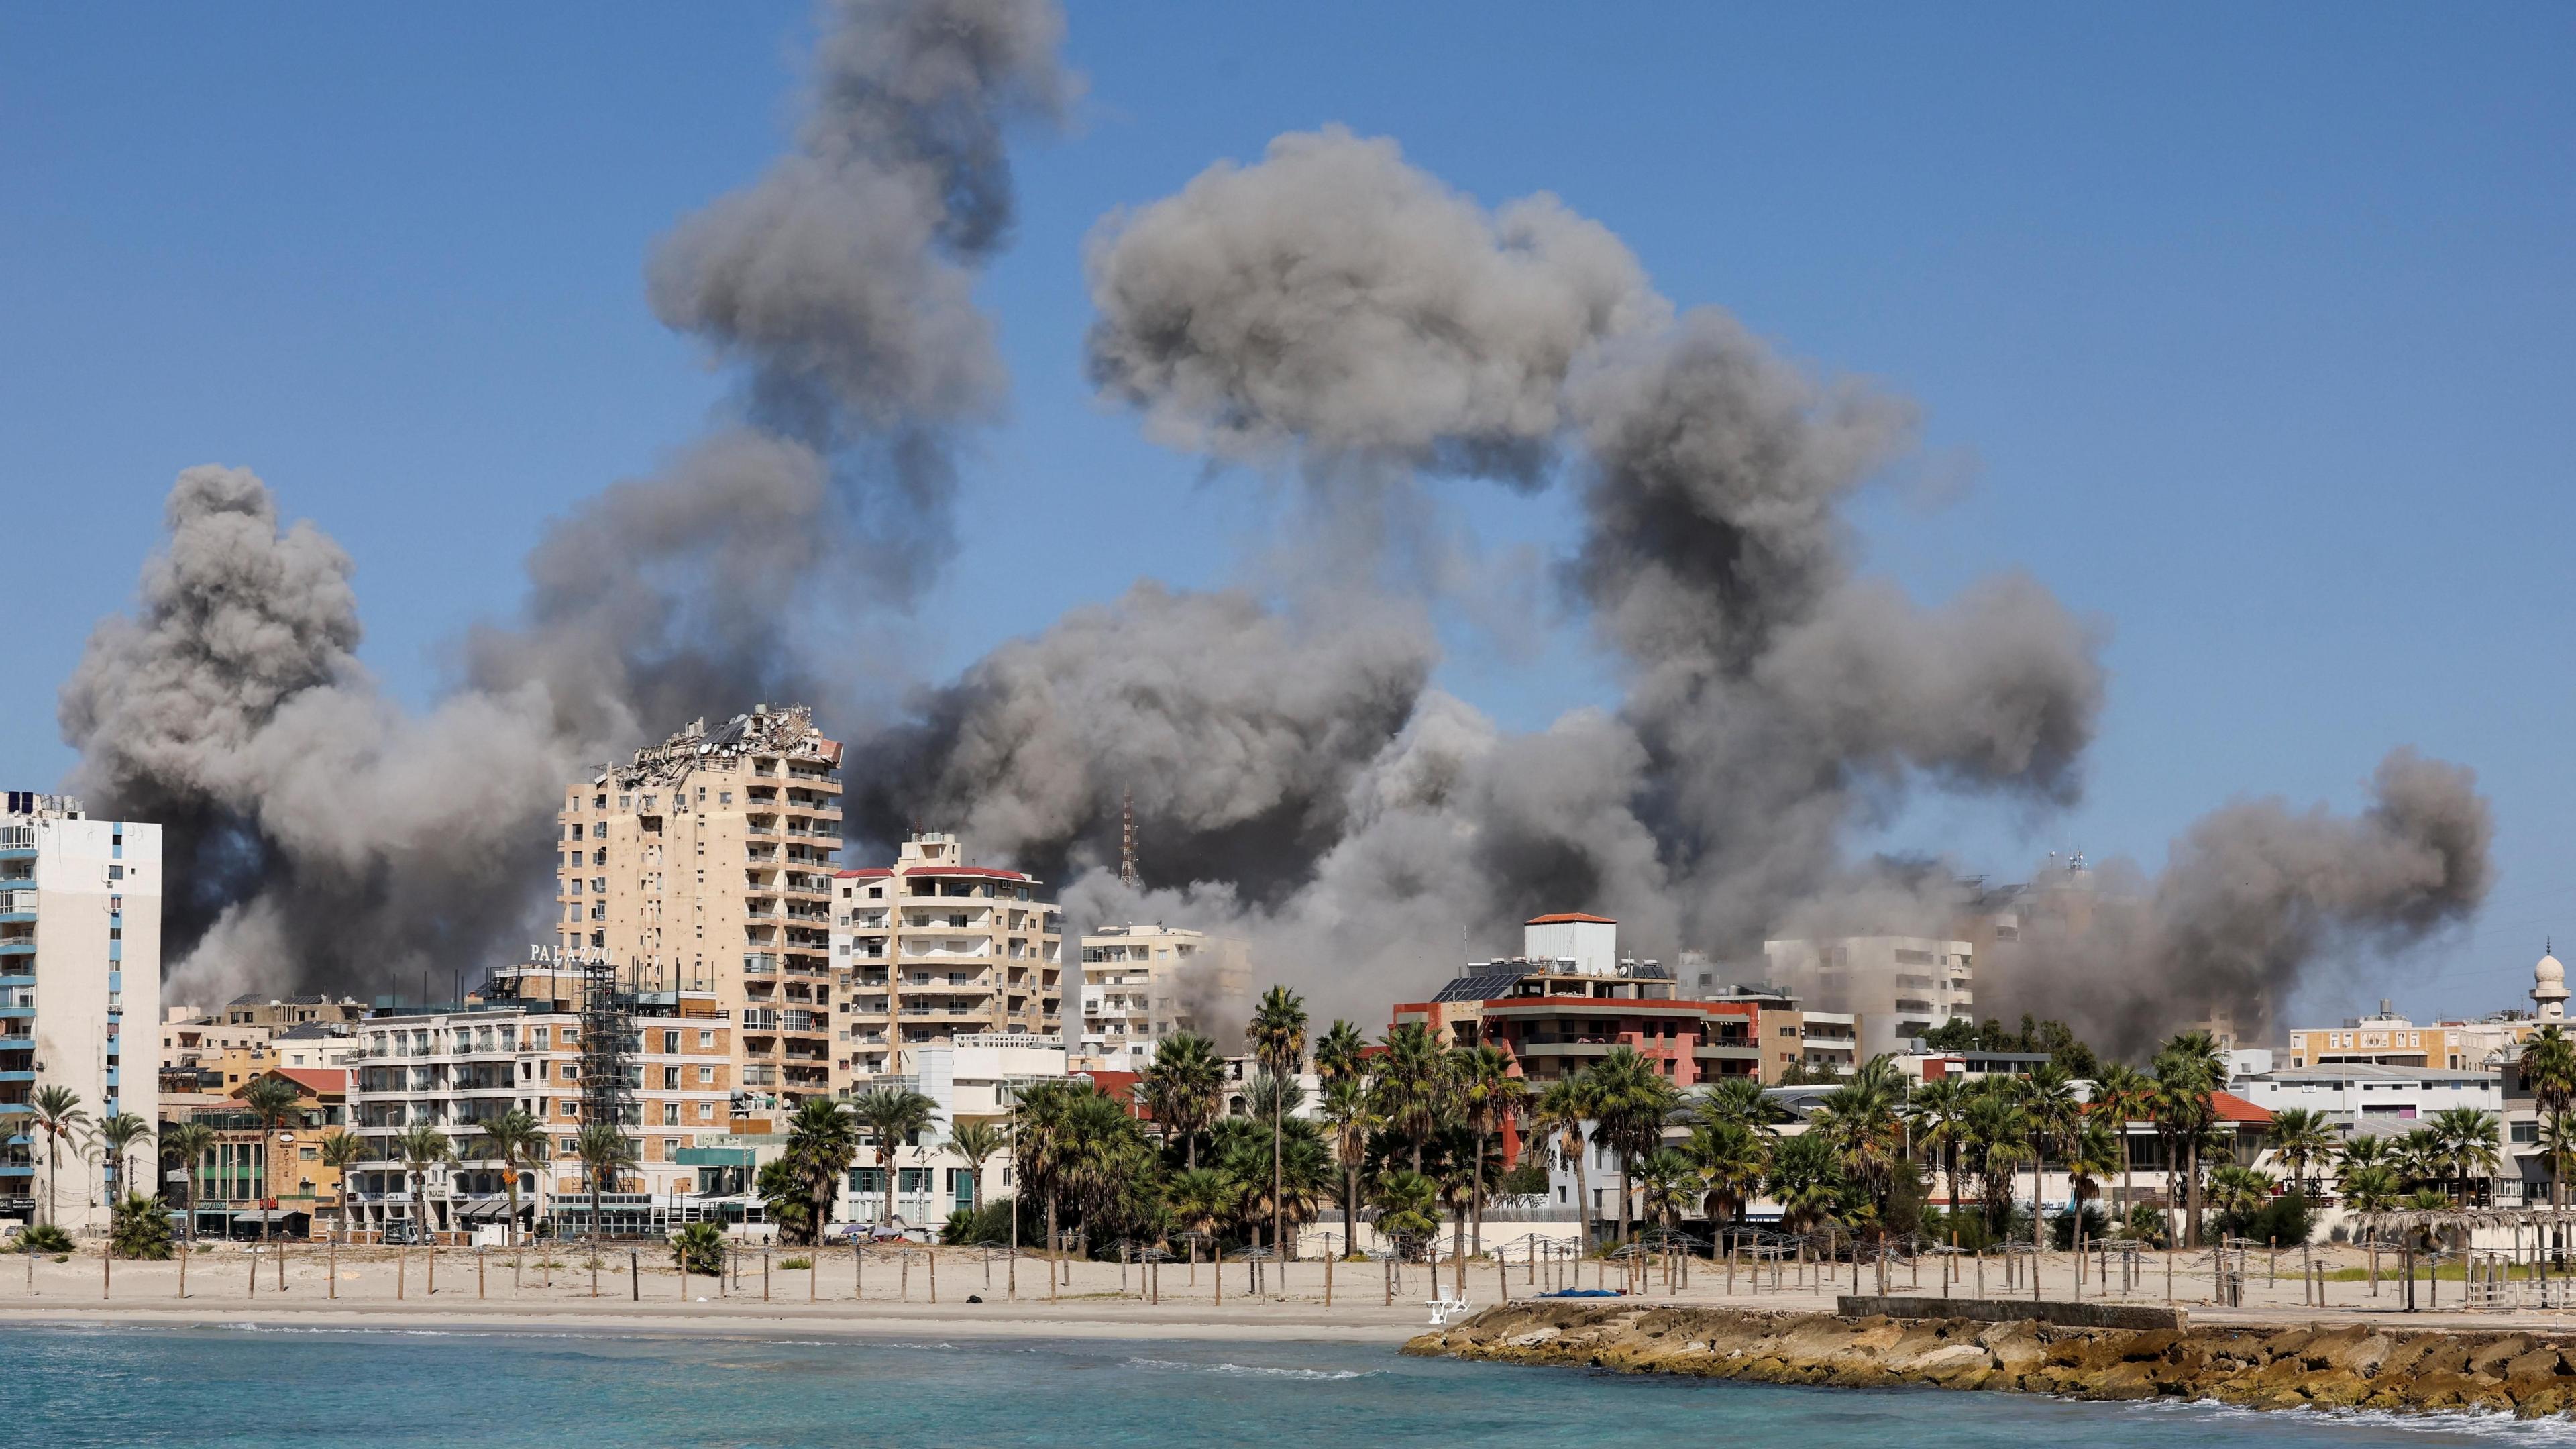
<point x="1141" y="983"/>
<point x="705" y="863"/>
<point x="521" y="1047"/>
<point x="930" y="949"/>
<point x="80" y="958"/>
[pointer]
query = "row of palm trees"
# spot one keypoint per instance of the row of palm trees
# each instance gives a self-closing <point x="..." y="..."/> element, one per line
<point x="1859" y="1163"/>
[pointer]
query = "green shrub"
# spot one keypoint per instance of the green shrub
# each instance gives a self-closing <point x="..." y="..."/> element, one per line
<point x="140" y="1229"/>
<point x="2062" y="1227"/>
<point x="800" y="1261"/>
<point x="42" y="1238"/>
<point x="699" y="1248"/>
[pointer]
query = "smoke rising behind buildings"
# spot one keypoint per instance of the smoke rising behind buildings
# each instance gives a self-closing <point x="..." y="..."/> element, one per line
<point x="1330" y="315"/>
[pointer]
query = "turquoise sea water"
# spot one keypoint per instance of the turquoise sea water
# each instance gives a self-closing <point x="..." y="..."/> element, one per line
<point x="279" y="1387"/>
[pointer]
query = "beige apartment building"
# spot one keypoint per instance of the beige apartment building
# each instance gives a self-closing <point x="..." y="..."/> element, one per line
<point x="519" y="1046"/>
<point x="933" y="949"/>
<point x="1143" y="983"/>
<point x="705" y="865"/>
<point x="2390" y="1040"/>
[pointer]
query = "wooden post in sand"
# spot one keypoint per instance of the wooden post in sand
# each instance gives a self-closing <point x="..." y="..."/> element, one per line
<point x="331" y="1262"/>
<point x="106" y="1269"/>
<point x="183" y="1267"/>
<point x="1328" y="1278"/>
<point x="764" y="1275"/>
<point x="932" y="1254"/>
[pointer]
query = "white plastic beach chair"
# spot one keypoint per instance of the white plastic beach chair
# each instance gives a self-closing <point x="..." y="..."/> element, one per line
<point x="1444" y="1309"/>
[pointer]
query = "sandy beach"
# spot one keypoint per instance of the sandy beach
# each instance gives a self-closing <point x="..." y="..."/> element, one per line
<point x="553" y="1289"/>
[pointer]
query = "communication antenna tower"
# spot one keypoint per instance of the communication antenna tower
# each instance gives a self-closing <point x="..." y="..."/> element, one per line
<point x="1127" y="840"/>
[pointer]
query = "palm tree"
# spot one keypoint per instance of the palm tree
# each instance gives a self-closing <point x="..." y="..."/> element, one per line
<point x="1997" y="1144"/>
<point x="2369" y="1186"/>
<point x="1408" y="1208"/>
<point x="1938" y="1111"/>
<point x="2123" y="1094"/>
<point x="1183" y="1088"/>
<point x="2469" y="1145"/>
<point x="116" y="1138"/>
<point x="1564" y="1109"/>
<point x="1740" y="1100"/>
<point x="514" y="1139"/>
<point x="822" y="1138"/>
<point x="2417" y="1157"/>
<point x="1278" y="1035"/>
<point x="1633" y="1100"/>
<point x="1807" y="1181"/>
<point x="340" y="1152"/>
<point x="890" y="1115"/>
<point x="2092" y="1154"/>
<point x="421" y="1147"/>
<point x="1347" y="1108"/>
<point x="1038" y="1140"/>
<point x="271" y="1101"/>
<point x="2239" y="1192"/>
<point x="2548" y="1066"/>
<point x="2049" y="1111"/>
<point x="187" y="1143"/>
<point x="1341" y="1054"/>
<point x="1200" y="1199"/>
<point x="1863" y="1121"/>
<point x="1483" y="1085"/>
<point x="603" y="1149"/>
<point x="978" y="1142"/>
<point x="2301" y="1137"/>
<point x="1672" y="1183"/>
<point x="59" y="1114"/>
<point x="1731" y="1160"/>
<point x="2188" y="1070"/>
<point x="1411" y="1088"/>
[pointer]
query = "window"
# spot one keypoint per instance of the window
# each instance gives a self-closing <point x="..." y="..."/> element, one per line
<point x="670" y="1043"/>
<point x="706" y="1076"/>
<point x="625" y="802"/>
<point x="706" y="1041"/>
<point x="706" y="1110"/>
<point x="724" y="797"/>
<point x="572" y="1071"/>
<point x="671" y="1114"/>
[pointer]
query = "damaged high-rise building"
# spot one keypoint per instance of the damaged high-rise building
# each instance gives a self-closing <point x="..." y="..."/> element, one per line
<point x="704" y="863"/>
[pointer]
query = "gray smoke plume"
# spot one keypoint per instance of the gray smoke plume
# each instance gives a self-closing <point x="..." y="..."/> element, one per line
<point x="1235" y="731"/>
<point x="1334" y="310"/>
<point x="2251" y="898"/>
<point x="326" y="838"/>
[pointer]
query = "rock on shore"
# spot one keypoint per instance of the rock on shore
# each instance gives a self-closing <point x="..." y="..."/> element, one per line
<point x="2359" y="1366"/>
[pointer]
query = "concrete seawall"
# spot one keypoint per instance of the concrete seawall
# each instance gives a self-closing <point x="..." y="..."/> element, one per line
<point x="2354" y="1366"/>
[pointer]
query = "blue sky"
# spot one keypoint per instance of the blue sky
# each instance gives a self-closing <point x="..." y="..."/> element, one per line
<point x="2252" y="330"/>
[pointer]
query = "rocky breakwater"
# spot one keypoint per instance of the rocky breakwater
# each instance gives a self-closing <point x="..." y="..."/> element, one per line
<point x="2358" y="1366"/>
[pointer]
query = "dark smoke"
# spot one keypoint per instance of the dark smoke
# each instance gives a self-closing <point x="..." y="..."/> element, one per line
<point x="1334" y="312"/>
<point x="332" y="840"/>
<point x="2252" y="896"/>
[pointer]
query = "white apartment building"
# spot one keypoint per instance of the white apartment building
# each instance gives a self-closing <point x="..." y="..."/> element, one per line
<point x="453" y="1068"/>
<point x="80" y="957"/>
<point x="1899" y="986"/>
<point x="930" y="949"/>
<point x="1142" y="983"/>
<point x="970" y="1079"/>
<point x="2361" y="1094"/>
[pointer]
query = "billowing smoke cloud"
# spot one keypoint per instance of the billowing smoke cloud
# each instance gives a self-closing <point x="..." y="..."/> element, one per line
<point x="1335" y="301"/>
<point x="1236" y="731"/>
<point x="1334" y="310"/>
<point x="2253" y="895"/>
<point x="327" y="838"/>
